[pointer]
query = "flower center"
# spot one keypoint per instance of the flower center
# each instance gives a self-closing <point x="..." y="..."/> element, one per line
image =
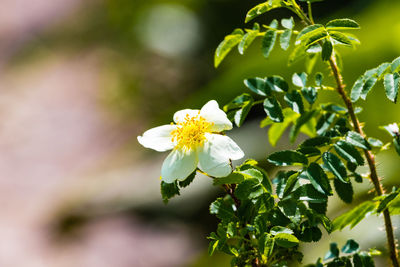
<point x="190" y="133"/>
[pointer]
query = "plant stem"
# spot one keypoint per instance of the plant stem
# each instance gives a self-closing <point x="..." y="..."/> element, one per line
<point x="368" y="154"/>
<point x="370" y="159"/>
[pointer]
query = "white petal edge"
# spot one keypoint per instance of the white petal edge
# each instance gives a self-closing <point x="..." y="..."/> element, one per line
<point x="178" y="165"/>
<point x="214" y="158"/>
<point x="180" y="115"/>
<point x="158" y="138"/>
<point x="212" y="113"/>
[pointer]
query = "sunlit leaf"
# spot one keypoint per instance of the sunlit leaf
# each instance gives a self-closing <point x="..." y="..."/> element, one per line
<point x="226" y="46"/>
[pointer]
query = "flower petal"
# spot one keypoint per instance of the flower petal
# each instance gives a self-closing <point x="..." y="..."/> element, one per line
<point x="178" y="165"/>
<point x="180" y="115"/>
<point x="214" y="158"/>
<point x="212" y="113"/>
<point x="158" y="138"/>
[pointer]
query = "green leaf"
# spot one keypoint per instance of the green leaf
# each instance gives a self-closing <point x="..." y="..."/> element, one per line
<point x="188" y="180"/>
<point x="262" y="8"/>
<point x="290" y="183"/>
<point x="344" y="190"/>
<point x="354" y="216"/>
<point x="249" y="189"/>
<point x="308" y="31"/>
<point x="342" y="24"/>
<point x="357" y="140"/>
<point x="309" y="151"/>
<point x="385" y="202"/>
<point x="332" y="253"/>
<point x="382" y="69"/>
<point x="299" y="79"/>
<point x="280" y="229"/>
<point x="340" y="37"/>
<point x="295" y="101"/>
<point x="316" y="141"/>
<point x="302" y="120"/>
<point x="285" y="39"/>
<point x="368" y="84"/>
<point x="248" y="38"/>
<point x="286" y="240"/>
<point x="238" y="102"/>
<point x="310" y="94"/>
<point x="396" y="143"/>
<point x="351" y="246"/>
<point x="287" y="157"/>
<point x="288" y="23"/>
<point x="223" y="209"/>
<point x="335" y="166"/>
<point x="273" y="109"/>
<point x="258" y="86"/>
<point x="268" y="42"/>
<point x="356" y="89"/>
<point x="318" y="179"/>
<point x="392" y="84"/>
<point x="327" y="49"/>
<point x="308" y="193"/>
<point x="233" y="178"/>
<point x="315" y="38"/>
<point x="277" y="83"/>
<point x="395" y="67"/>
<point x="349" y="153"/>
<point x="266" y="245"/>
<point x="241" y="114"/>
<point x="226" y="46"/>
<point x="212" y="247"/>
<point x="169" y="190"/>
<point x="325" y="122"/>
<point x="319" y="77"/>
<point x="277" y="129"/>
<point x="375" y="142"/>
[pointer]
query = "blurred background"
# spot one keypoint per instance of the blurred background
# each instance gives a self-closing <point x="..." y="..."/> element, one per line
<point x="80" y="79"/>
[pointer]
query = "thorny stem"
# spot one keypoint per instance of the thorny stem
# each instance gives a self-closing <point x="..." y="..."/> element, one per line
<point x="368" y="154"/>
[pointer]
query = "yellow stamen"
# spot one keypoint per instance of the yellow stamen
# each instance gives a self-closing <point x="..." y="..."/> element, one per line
<point x="190" y="133"/>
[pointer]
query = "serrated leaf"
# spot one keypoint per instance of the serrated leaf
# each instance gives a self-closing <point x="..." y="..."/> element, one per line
<point x="277" y="129"/>
<point x="354" y="216"/>
<point x="335" y="166"/>
<point x="238" y="102"/>
<point x="309" y="151"/>
<point x="280" y="229"/>
<point x="187" y="181"/>
<point x="262" y="8"/>
<point x="349" y="153"/>
<point x="226" y="46"/>
<point x="273" y="109"/>
<point x="299" y="79"/>
<point x="268" y="42"/>
<point x="325" y="122"/>
<point x="288" y="23"/>
<point x="286" y="240"/>
<point x="340" y="37"/>
<point x="287" y="157"/>
<point x="385" y="202"/>
<point x="277" y="83"/>
<point x="318" y="179"/>
<point x="284" y="39"/>
<point x="249" y="189"/>
<point x="356" y="89"/>
<point x="308" y="193"/>
<point x="392" y="84"/>
<point x="345" y="24"/>
<point x="357" y="140"/>
<point x="246" y="41"/>
<point x="316" y="141"/>
<point x="308" y="31"/>
<point x="327" y="49"/>
<point x="315" y="38"/>
<point x="351" y="246"/>
<point x="169" y="190"/>
<point x="233" y="178"/>
<point x="223" y="209"/>
<point x="302" y="120"/>
<point x="258" y="86"/>
<point x="382" y="69"/>
<point x="333" y="252"/>
<point x="310" y="94"/>
<point x="295" y="101"/>
<point x="344" y="190"/>
<point x="241" y="114"/>
<point x="395" y="66"/>
<point x="368" y="84"/>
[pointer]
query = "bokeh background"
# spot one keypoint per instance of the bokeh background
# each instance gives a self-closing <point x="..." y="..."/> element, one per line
<point x="80" y="79"/>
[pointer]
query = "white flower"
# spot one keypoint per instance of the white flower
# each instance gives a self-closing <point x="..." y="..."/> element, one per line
<point x="195" y="142"/>
<point x="394" y="128"/>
